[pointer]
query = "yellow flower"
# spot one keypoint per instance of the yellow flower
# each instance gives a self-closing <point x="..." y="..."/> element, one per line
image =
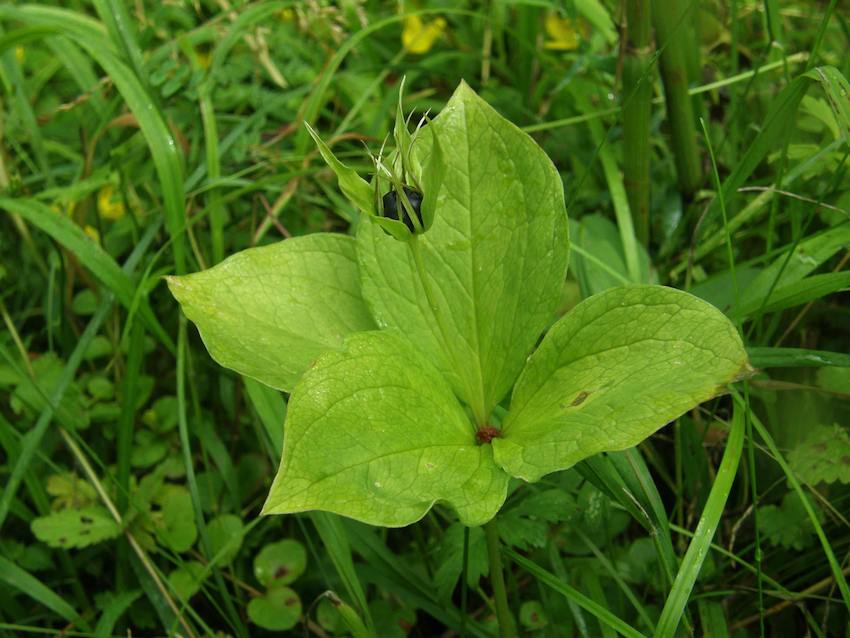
<point x="562" y="31"/>
<point x="418" y="37"/>
<point x="20" y="54"/>
<point x="108" y="206"/>
<point x="287" y="15"/>
<point x="91" y="231"/>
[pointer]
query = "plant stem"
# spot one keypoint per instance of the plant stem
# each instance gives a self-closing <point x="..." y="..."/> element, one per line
<point x="497" y="581"/>
<point x="671" y="33"/>
<point x="637" y="104"/>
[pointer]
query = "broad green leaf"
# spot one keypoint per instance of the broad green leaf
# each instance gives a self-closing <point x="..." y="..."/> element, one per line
<point x="75" y="527"/>
<point x="615" y="369"/>
<point x="475" y="291"/>
<point x="374" y="433"/>
<point x="269" y="312"/>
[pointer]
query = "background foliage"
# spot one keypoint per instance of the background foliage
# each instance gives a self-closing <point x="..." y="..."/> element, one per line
<point x="146" y="139"/>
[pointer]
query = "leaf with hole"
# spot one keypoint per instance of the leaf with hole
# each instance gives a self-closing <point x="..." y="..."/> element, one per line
<point x="76" y="528"/>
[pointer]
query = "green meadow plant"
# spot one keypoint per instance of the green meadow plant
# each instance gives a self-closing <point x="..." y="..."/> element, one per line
<point x="412" y="351"/>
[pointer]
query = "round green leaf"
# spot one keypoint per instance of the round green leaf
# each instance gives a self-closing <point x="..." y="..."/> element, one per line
<point x="278" y="610"/>
<point x="186" y="580"/>
<point x="532" y="616"/>
<point x="329" y="618"/>
<point x="280" y="563"/>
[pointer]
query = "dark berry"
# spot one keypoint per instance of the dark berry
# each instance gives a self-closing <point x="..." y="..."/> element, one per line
<point x="395" y="209"/>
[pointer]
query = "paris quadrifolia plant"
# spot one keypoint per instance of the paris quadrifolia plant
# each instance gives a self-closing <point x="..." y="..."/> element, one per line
<point x="412" y="349"/>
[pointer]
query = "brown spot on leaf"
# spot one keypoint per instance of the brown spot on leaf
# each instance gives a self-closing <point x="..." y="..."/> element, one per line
<point x="291" y="601"/>
<point x="88" y="520"/>
<point x="580" y="398"/>
<point x="281" y="571"/>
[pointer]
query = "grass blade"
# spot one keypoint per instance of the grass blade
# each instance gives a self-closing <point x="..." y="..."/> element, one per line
<point x="28" y="584"/>
<point x="572" y="594"/>
<point x="33" y="437"/>
<point x="165" y="152"/>
<point x="90" y="254"/>
<point x="707" y="526"/>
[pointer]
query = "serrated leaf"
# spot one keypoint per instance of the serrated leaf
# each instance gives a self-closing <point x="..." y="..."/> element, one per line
<point x="374" y="433"/>
<point x="823" y="456"/>
<point x="269" y="312"/>
<point x="278" y="610"/>
<point x="70" y="491"/>
<point x="615" y="369"/>
<point x="492" y="263"/>
<point x="527" y="524"/>
<point x="75" y="528"/>
<point x="787" y="525"/>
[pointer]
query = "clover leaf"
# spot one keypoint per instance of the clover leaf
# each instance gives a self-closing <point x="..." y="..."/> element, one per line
<point x="384" y="423"/>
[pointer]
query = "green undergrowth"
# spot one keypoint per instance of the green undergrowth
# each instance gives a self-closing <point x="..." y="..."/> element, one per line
<point x="140" y="141"/>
